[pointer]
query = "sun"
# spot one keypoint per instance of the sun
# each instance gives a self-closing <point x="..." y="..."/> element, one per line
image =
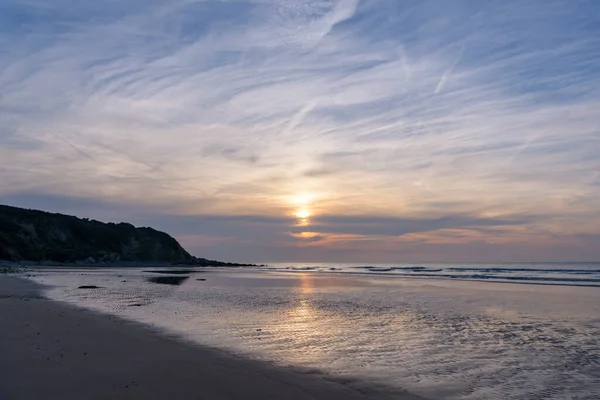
<point x="301" y="206"/>
<point x="302" y="214"/>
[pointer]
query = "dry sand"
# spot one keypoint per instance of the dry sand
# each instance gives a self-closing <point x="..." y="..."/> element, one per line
<point x="50" y="350"/>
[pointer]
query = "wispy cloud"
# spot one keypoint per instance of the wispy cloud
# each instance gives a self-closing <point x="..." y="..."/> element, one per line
<point x="376" y="107"/>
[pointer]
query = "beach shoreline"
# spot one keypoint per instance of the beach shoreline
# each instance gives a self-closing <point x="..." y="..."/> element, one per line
<point x="55" y="350"/>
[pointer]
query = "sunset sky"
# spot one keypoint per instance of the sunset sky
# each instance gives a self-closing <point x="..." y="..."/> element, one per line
<point x="330" y="130"/>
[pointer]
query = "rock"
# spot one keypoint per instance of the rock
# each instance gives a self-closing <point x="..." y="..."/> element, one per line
<point x="89" y="287"/>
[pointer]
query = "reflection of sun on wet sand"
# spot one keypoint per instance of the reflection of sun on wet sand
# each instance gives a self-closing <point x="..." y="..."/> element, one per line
<point x="304" y="309"/>
<point x="303" y="324"/>
<point x="303" y="313"/>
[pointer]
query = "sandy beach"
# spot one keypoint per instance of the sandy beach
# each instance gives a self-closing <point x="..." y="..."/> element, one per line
<point x="52" y="350"/>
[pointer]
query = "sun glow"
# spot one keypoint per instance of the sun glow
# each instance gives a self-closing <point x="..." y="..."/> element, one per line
<point x="301" y="205"/>
<point x="302" y="214"/>
<point x="302" y="199"/>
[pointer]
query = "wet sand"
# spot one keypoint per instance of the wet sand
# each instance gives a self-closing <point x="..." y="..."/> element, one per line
<point x="52" y="350"/>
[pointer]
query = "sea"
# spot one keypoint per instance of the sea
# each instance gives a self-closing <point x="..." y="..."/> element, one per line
<point x="441" y="331"/>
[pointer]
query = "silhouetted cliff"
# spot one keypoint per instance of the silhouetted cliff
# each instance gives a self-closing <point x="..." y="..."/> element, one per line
<point x="31" y="235"/>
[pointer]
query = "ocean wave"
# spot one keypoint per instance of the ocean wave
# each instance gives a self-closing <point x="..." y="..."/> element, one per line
<point x="545" y="270"/>
<point x="536" y="274"/>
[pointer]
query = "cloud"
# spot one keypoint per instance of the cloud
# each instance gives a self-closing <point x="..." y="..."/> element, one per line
<point x="412" y="111"/>
<point x="389" y="226"/>
<point x="308" y="237"/>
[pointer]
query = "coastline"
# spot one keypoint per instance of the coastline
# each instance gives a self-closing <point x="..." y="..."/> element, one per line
<point x="54" y="350"/>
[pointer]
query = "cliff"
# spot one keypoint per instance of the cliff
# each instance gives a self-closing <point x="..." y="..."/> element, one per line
<point x="31" y="235"/>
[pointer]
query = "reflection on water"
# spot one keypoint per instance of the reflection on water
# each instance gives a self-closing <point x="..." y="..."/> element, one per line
<point x="448" y="340"/>
<point x="301" y="323"/>
<point x="303" y="315"/>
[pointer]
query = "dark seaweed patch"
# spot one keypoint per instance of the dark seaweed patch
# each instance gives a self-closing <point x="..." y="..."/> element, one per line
<point x="174" y="271"/>
<point x="168" y="280"/>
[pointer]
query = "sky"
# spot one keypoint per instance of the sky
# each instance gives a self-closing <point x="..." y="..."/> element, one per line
<point x="311" y="130"/>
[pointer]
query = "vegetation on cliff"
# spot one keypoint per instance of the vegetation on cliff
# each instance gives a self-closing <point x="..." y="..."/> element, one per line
<point x="31" y="235"/>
